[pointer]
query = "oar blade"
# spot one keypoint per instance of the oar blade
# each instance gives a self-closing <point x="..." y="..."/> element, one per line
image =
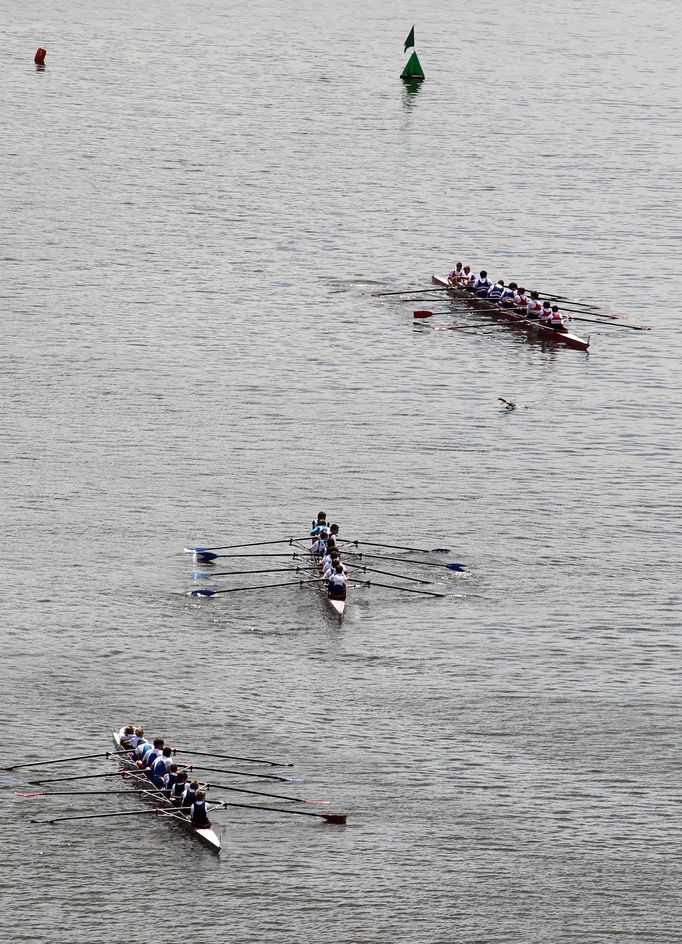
<point x="456" y="567"/>
<point x="204" y="592"/>
<point x="200" y="575"/>
<point x="339" y="819"/>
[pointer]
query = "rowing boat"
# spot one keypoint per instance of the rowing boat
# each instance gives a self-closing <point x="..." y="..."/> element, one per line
<point x="513" y="315"/>
<point x="207" y="836"/>
<point x="315" y="569"/>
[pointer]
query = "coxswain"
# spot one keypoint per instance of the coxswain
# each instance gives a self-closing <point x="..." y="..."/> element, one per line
<point x="198" y="813"/>
<point x="125" y="734"/>
<point x="482" y="284"/>
<point x="178" y="788"/>
<point x="319" y="547"/>
<point x="546" y="313"/>
<point x="160" y="767"/>
<point x="556" y="321"/>
<point x="455" y="276"/>
<point x="508" y="295"/>
<point x="496" y="290"/>
<point x="336" y="587"/>
<point x="320" y="524"/>
<point x="534" y="306"/>
<point x="467" y="276"/>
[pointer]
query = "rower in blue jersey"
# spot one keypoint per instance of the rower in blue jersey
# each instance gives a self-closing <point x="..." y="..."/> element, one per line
<point x="125" y="735"/>
<point x="482" y="284"/>
<point x="170" y="778"/>
<point x="189" y="795"/>
<point x="177" y="791"/>
<point x="508" y="295"/>
<point x="137" y="738"/>
<point x="320" y="524"/>
<point x="198" y="813"/>
<point x="496" y="290"/>
<point x="150" y="755"/>
<point x="160" y="767"/>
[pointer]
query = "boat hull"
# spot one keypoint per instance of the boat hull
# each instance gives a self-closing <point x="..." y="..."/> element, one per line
<point x="208" y="837"/>
<point x="534" y="327"/>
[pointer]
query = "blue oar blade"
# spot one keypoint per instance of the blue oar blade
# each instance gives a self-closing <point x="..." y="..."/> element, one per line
<point x="440" y="550"/>
<point x="456" y="566"/>
<point x="202" y="593"/>
<point x="199" y="575"/>
<point x="193" y="550"/>
<point x="205" y="557"/>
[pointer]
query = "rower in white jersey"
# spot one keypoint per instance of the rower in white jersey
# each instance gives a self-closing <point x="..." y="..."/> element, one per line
<point x="456" y="275"/>
<point x="482" y="284"/>
<point x="319" y="547"/>
<point x="177" y="791"/>
<point x="137" y="738"/>
<point x="149" y="756"/>
<point x="330" y="564"/>
<point x="336" y="587"/>
<point x="534" y="306"/>
<point x="546" y="313"/>
<point x="521" y="301"/>
<point x="190" y="793"/>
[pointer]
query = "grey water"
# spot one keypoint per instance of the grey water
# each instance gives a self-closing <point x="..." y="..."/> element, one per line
<point x="196" y="204"/>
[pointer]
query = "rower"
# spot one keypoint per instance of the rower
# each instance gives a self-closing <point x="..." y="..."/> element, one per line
<point x="160" y="767"/>
<point x="508" y="295"/>
<point x="455" y="276"/>
<point x="482" y="284"/>
<point x="546" y="313"/>
<point x="334" y="532"/>
<point x="170" y="778"/>
<point x="141" y="750"/>
<point x="198" y="814"/>
<point x="467" y="276"/>
<point x="320" y="524"/>
<point x="521" y="300"/>
<point x="125" y="734"/>
<point x="137" y="738"/>
<point x="556" y="321"/>
<point x="190" y="793"/>
<point x="319" y="547"/>
<point x="496" y="290"/>
<point x="534" y="306"/>
<point x="178" y="788"/>
<point x="330" y="564"/>
<point x="336" y="588"/>
<point x="149" y="756"/>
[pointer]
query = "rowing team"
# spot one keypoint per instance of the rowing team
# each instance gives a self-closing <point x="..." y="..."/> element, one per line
<point x="154" y="760"/>
<point x="507" y="296"/>
<point x="325" y="549"/>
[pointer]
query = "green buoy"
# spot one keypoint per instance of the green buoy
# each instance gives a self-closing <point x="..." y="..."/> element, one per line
<point x="413" y="71"/>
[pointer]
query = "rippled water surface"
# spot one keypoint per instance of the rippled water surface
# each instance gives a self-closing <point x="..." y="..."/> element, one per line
<point x="196" y="204"/>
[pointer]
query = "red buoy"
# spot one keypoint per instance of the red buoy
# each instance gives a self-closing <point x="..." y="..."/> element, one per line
<point x="39" y="57"/>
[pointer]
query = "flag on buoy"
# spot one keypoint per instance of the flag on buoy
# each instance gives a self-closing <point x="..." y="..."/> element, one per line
<point x="413" y="71"/>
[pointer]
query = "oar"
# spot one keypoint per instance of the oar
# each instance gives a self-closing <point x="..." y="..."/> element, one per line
<point x="410" y="291"/>
<point x="115" y="773"/>
<point x="65" y="760"/>
<point x="390" y="586"/>
<point x="158" y="811"/>
<point x="400" y="560"/>
<point x="207" y="556"/>
<point x="425" y="313"/>
<point x="613" y="324"/>
<point x="210" y="574"/>
<point x="243" y="773"/>
<point x="228" y="547"/>
<point x="338" y="818"/>
<point x="389" y="573"/>
<point x="65" y="793"/>
<point x="208" y="592"/>
<point x="249" y="760"/>
<point x="276" y="796"/>
<point x="399" y="547"/>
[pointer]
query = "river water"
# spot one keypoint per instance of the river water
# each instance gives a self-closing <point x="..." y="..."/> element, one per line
<point x="197" y="203"/>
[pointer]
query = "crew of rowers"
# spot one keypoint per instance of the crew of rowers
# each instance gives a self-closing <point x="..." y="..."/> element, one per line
<point x="507" y="296"/>
<point x="155" y="760"/>
<point x="324" y="547"/>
